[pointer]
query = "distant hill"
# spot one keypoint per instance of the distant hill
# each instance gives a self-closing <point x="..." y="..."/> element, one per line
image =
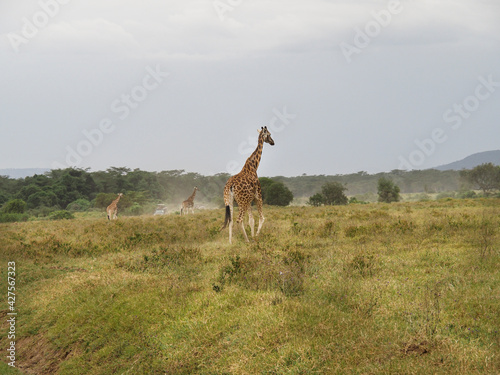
<point x="22" y="172"/>
<point x="472" y="161"/>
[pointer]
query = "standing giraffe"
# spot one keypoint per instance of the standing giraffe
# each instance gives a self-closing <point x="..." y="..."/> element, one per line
<point x="245" y="188"/>
<point x="112" y="209"/>
<point x="189" y="203"/>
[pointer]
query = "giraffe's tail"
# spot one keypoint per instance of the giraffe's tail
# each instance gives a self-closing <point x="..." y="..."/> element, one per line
<point x="227" y="219"/>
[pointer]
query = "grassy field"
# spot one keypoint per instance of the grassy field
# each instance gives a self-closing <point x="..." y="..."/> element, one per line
<point x="406" y="288"/>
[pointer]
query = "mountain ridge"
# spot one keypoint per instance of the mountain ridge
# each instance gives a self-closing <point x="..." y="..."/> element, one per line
<point x="472" y="161"/>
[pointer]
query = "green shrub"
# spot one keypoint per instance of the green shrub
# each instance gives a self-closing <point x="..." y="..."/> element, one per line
<point x="316" y="200"/>
<point x="14" y="206"/>
<point x="79" y="205"/>
<point x="467" y="194"/>
<point x="60" y="215"/>
<point x="12" y="218"/>
<point x="446" y="194"/>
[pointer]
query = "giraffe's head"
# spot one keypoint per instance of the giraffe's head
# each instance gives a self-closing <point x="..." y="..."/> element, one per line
<point x="121" y="194"/>
<point x="266" y="135"/>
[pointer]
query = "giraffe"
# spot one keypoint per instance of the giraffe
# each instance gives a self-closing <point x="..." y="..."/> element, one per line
<point x="112" y="209"/>
<point x="189" y="203"/>
<point x="245" y="188"/>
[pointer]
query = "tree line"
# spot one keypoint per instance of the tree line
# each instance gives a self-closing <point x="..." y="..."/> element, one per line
<point x="80" y="189"/>
<point x="485" y="177"/>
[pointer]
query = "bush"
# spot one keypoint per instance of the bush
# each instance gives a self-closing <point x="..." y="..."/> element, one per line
<point x="43" y="211"/>
<point x="446" y="194"/>
<point x="354" y="200"/>
<point x="135" y="210"/>
<point x="316" y="200"/>
<point x="467" y="194"/>
<point x="12" y="218"/>
<point x="60" y="215"/>
<point x="79" y="205"/>
<point x="14" y="206"/>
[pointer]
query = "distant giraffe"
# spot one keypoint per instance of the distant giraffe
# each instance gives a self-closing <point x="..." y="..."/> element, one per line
<point x="189" y="203"/>
<point x="112" y="209"/>
<point x="245" y="188"/>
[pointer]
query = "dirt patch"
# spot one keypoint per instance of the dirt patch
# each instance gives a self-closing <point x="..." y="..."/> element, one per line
<point x="38" y="356"/>
<point x="416" y="348"/>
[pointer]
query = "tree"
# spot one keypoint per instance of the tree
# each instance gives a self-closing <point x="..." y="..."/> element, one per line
<point x="14" y="206"/>
<point x="274" y="192"/>
<point x="387" y="191"/>
<point x="265" y="182"/>
<point x="486" y="176"/>
<point x="42" y="198"/>
<point x="277" y="194"/>
<point x="316" y="200"/>
<point x="333" y="193"/>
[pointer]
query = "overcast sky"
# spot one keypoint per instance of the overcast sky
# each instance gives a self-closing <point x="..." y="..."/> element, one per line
<point x="344" y="86"/>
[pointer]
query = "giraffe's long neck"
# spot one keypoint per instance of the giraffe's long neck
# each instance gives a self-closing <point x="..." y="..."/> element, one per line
<point x="192" y="195"/>
<point x="117" y="199"/>
<point x="253" y="160"/>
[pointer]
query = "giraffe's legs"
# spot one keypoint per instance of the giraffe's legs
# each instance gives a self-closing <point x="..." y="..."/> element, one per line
<point x="243" y="209"/>
<point x="261" y="214"/>
<point x="251" y="221"/>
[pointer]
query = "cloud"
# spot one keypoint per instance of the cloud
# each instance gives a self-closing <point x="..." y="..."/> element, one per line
<point x="89" y="36"/>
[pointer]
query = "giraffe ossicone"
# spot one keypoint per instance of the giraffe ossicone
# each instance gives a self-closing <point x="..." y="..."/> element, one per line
<point x="244" y="187"/>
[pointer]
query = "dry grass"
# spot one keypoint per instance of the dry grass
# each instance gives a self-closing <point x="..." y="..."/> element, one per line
<point x="407" y="288"/>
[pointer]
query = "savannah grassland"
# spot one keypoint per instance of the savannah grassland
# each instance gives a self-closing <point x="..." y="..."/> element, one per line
<point x="405" y="288"/>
